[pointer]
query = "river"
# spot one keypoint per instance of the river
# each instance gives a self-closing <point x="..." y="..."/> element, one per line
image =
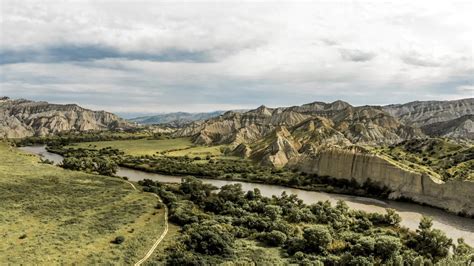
<point x="454" y="226"/>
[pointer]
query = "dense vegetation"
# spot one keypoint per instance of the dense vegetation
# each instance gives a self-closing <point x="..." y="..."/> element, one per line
<point x="68" y="137"/>
<point x="441" y="157"/>
<point x="244" y="170"/>
<point x="105" y="161"/>
<point x="101" y="161"/>
<point x="213" y="223"/>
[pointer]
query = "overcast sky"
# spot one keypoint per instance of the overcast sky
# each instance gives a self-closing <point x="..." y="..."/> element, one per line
<point x="151" y="56"/>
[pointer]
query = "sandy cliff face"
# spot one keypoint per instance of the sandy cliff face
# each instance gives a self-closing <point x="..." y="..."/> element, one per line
<point x="22" y="118"/>
<point x="455" y="196"/>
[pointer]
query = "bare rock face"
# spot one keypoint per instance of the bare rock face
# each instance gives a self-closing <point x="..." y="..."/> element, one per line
<point x="22" y="118"/>
<point x="347" y="124"/>
<point x="462" y="127"/>
<point x="371" y="125"/>
<point x="455" y="195"/>
<point x="277" y="149"/>
<point x="434" y="113"/>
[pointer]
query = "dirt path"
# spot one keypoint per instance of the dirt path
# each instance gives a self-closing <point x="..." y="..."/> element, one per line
<point x="158" y="241"/>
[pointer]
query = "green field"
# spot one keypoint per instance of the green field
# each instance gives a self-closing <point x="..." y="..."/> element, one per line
<point x="139" y="146"/>
<point x="53" y="216"/>
<point x="170" y="147"/>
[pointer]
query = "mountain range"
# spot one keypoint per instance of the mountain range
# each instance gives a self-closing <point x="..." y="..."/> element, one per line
<point x="275" y="135"/>
<point x="366" y="144"/>
<point x="177" y="119"/>
<point x="22" y="118"/>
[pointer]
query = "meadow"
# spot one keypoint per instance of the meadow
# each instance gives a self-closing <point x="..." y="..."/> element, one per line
<point x="173" y="147"/>
<point x="139" y="146"/>
<point x="50" y="215"/>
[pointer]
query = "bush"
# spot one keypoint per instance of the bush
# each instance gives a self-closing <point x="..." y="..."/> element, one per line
<point x="118" y="240"/>
<point x="210" y="240"/>
<point x="274" y="238"/>
<point x="317" y="238"/>
<point x="387" y="246"/>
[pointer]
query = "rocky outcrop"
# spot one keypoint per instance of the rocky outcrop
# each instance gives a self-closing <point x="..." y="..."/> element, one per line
<point x="367" y="124"/>
<point x="420" y="113"/>
<point x="455" y="195"/>
<point x="460" y="128"/>
<point x="277" y="149"/>
<point x="432" y="114"/>
<point x="22" y="118"/>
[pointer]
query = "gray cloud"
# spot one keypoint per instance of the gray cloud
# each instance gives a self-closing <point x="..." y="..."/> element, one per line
<point x="162" y="56"/>
<point x="356" y="55"/>
<point x="71" y="52"/>
<point x="416" y="59"/>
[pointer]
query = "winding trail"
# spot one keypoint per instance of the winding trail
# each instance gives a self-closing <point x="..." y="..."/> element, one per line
<point x="162" y="236"/>
<point x="159" y="239"/>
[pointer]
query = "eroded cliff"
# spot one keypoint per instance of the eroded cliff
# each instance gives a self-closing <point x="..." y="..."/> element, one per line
<point x="455" y="195"/>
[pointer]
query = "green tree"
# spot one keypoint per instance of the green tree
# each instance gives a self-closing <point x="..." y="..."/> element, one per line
<point x="317" y="238"/>
<point x="274" y="238"/>
<point x="431" y="243"/>
<point x="210" y="240"/>
<point x="387" y="246"/>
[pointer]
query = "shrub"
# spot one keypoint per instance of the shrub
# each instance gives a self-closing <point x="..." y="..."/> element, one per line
<point x="317" y="238"/>
<point x="118" y="240"/>
<point x="274" y="238"/>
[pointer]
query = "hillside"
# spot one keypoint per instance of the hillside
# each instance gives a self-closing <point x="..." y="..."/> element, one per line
<point x="339" y="120"/>
<point x="21" y="118"/>
<point x="429" y="114"/>
<point x="462" y="127"/>
<point x="176" y="119"/>
<point x="51" y="216"/>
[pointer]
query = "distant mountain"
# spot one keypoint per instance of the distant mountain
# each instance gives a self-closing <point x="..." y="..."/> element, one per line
<point x="21" y="118"/>
<point x="276" y="135"/>
<point x="176" y="119"/>
<point x="462" y="127"/>
<point x="422" y="113"/>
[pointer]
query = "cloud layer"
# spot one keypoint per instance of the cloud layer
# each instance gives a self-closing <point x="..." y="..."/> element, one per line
<point x="129" y="56"/>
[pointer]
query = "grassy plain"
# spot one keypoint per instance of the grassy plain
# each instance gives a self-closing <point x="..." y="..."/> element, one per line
<point x="139" y="146"/>
<point x="53" y="216"/>
<point x="170" y="147"/>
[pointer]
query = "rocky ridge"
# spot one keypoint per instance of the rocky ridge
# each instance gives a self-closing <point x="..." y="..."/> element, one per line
<point x="22" y="118"/>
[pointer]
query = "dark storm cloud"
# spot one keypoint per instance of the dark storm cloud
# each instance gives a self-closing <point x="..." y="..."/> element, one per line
<point x="80" y="53"/>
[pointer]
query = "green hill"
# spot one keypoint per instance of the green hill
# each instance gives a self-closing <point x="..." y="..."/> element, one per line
<point x="53" y="216"/>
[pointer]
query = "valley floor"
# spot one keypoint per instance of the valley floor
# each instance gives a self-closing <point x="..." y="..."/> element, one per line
<point x="49" y="215"/>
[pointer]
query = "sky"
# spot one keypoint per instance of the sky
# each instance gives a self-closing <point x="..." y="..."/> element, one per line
<point x="159" y="56"/>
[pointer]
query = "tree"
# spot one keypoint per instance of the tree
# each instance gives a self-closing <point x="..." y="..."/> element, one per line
<point x="272" y="211"/>
<point x="118" y="240"/>
<point x="317" y="238"/>
<point x="210" y="240"/>
<point x="232" y="193"/>
<point x="274" y="238"/>
<point x="431" y="243"/>
<point x="387" y="246"/>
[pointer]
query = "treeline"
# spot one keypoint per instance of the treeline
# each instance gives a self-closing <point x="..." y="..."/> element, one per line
<point x="103" y="161"/>
<point x="67" y="138"/>
<point x="213" y="221"/>
<point x="247" y="171"/>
